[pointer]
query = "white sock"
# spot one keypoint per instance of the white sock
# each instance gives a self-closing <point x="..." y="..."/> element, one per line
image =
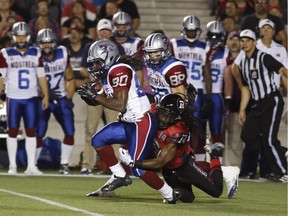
<point x="37" y="154"/>
<point x="12" y="150"/>
<point x="118" y="170"/>
<point x="66" y="151"/>
<point x="166" y="191"/>
<point x="30" y="146"/>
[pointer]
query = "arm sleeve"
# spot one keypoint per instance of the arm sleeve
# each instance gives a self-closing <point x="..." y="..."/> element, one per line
<point x="272" y="64"/>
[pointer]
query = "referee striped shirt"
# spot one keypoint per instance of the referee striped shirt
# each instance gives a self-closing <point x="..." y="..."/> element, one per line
<point x="258" y="73"/>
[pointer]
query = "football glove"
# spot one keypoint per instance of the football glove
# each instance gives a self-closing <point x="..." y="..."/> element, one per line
<point x="128" y="117"/>
<point x="191" y="94"/>
<point x="88" y="90"/>
<point x="125" y="157"/>
<point x="207" y="107"/>
<point x="54" y="95"/>
<point x="89" y="101"/>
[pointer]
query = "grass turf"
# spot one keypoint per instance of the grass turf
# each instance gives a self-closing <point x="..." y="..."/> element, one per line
<point x="253" y="198"/>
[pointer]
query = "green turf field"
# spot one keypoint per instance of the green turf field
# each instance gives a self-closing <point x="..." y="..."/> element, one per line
<point x="63" y="195"/>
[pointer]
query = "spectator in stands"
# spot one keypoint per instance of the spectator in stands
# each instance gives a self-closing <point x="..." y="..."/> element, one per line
<point x="245" y="7"/>
<point x="8" y="28"/>
<point x="43" y="11"/>
<point x="5" y="11"/>
<point x="41" y="23"/>
<point x="111" y="9"/>
<point x="67" y="12"/>
<point x="229" y="25"/>
<point x="261" y="12"/>
<point x="127" y="6"/>
<point x="98" y="4"/>
<point x="231" y="10"/>
<point x="79" y="11"/>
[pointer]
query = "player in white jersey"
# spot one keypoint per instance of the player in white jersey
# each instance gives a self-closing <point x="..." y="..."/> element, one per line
<point x="59" y="74"/>
<point x="166" y="73"/>
<point x="22" y="69"/>
<point x="192" y="52"/>
<point x="218" y="58"/>
<point x="122" y="27"/>
<point x="136" y="126"/>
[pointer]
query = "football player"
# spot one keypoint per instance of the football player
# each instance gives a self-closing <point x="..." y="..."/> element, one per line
<point x="136" y="126"/>
<point x="174" y="155"/>
<point x="60" y="77"/>
<point x="22" y="69"/>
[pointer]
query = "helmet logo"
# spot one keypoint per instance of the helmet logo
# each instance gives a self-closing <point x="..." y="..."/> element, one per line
<point x="105" y="48"/>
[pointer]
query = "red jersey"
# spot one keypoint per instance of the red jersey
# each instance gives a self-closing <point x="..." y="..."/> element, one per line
<point x="179" y="135"/>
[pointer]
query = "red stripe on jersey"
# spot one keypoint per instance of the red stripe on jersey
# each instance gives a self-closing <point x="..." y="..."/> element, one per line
<point x="3" y="63"/>
<point x="176" y="76"/>
<point x="120" y="77"/>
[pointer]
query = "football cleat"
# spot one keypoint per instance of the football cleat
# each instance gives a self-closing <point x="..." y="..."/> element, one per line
<point x="64" y="169"/>
<point x="283" y="179"/>
<point x="117" y="182"/>
<point x="12" y="170"/>
<point x="33" y="170"/>
<point x="214" y="150"/>
<point x="85" y="171"/>
<point x="177" y="194"/>
<point x="230" y="176"/>
<point x="100" y="193"/>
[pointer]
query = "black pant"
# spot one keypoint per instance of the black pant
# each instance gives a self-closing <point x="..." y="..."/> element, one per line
<point x="261" y="128"/>
<point x="191" y="174"/>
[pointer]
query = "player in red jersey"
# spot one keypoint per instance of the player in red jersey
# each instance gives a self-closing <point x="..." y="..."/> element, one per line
<point x="174" y="154"/>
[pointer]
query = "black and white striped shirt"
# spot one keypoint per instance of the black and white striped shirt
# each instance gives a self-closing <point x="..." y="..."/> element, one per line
<point x="258" y="73"/>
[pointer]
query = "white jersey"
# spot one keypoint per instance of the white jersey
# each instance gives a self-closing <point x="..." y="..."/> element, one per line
<point x="194" y="58"/>
<point x="122" y="76"/>
<point x="217" y="67"/>
<point x="55" y="70"/>
<point x="132" y="45"/>
<point x="278" y="52"/>
<point x="21" y="72"/>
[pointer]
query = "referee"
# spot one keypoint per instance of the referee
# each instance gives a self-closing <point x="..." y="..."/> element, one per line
<point x="261" y="125"/>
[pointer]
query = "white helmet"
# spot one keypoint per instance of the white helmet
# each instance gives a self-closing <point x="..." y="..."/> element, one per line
<point x="21" y="28"/>
<point x="157" y="42"/>
<point x="121" y="18"/>
<point x="46" y="36"/>
<point x="215" y="33"/>
<point x="191" y="23"/>
<point x="102" y="55"/>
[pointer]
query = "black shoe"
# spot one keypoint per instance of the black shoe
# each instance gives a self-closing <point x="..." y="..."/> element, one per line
<point x="214" y="150"/>
<point x="116" y="183"/>
<point x="177" y="194"/>
<point x="100" y="193"/>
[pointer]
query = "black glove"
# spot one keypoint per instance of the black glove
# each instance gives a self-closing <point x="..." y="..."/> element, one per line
<point x="191" y="94"/>
<point x="207" y="107"/>
<point x="88" y="91"/>
<point x="54" y="94"/>
<point x="69" y="104"/>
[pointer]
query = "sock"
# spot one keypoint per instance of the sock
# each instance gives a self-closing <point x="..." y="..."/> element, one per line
<point x="12" y="150"/>
<point x="166" y="191"/>
<point x="118" y="170"/>
<point x="37" y="154"/>
<point x="107" y="155"/>
<point x="30" y="147"/>
<point x="153" y="180"/>
<point x="66" y="151"/>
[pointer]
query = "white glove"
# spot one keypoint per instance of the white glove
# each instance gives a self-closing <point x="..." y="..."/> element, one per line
<point x="125" y="157"/>
<point x="128" y="117"/>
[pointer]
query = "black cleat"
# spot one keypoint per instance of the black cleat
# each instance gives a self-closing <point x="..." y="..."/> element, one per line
<point x="177" y="194"/>
<point x="100" y="193"/>
<point x="116" y="183"/>
<point x="214" y="150"/>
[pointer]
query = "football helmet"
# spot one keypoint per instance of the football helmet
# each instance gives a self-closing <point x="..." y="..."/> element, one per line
<point x="157" y="42"/>
<point x="215" y="33"/>
<point x="102" y="55"/>
<point x="46" y="36"/>
<point x="18" y="29"/>
<point x="191" y="23"/>
<point x="169" y="111"/>
<point x="121" y="18"/>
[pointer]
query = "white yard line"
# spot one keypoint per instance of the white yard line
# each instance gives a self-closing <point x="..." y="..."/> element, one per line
<point x="51" y="202"/>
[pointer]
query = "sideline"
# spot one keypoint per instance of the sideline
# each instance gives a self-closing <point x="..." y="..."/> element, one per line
<point x="51" y="202"/>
